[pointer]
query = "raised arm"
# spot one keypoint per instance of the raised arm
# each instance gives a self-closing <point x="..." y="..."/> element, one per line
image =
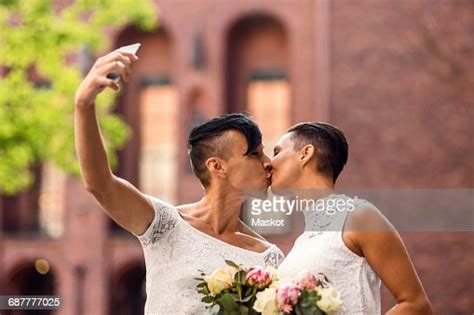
<point x="121" y="201"/>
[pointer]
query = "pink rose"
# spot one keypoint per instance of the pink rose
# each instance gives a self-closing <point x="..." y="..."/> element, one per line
<point x="306" y="280"/>
<point x="258" y="277"/>
<point x="286" y="308"/>
<point x="287" y="295"/>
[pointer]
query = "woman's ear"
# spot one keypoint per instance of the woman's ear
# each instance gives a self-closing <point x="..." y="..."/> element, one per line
<point x="215" y="167"/>
<point x="306" y="153"/>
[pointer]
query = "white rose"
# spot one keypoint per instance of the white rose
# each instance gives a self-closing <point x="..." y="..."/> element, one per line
<point x="266" y="302"/>
<point x="220" y="279"/>
<point x="330" y="300"/>
<point x="281" y="280"/>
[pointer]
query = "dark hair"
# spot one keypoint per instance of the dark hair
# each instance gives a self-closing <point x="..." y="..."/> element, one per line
<point x="329" y="142"/>
<point x="205" y="140"/>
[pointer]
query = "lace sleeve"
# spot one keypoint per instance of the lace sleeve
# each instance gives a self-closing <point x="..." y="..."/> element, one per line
<point x="164" y="221"/>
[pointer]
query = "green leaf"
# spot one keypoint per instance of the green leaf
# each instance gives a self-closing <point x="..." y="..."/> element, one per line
<point x="203" y="290"/>
<point x="232" y="264"/>
<point x="207" y="299"/>
<point x="311" y="309"/>
<point x="243" y="310"/>
<point x="240" y="277"/>
<point x="228" y="303"/>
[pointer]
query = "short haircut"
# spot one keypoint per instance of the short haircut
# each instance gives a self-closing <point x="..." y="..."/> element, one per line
<point x="331" y="148"/>
<point x="205" y="140"/>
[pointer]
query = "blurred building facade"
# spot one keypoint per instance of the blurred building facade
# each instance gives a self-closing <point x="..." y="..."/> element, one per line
<point x="395" y="76"/>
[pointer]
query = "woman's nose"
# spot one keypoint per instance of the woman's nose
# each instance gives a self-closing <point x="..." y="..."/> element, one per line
<point x="267" y="163"/>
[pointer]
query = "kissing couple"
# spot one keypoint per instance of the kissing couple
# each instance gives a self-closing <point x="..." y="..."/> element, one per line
<point x="226" y="154"/>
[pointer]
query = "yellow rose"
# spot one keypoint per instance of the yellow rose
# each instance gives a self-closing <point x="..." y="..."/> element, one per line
<point x="220" y="279"/>
<point x="266" y="302"/>
<point x="330" y="300"/>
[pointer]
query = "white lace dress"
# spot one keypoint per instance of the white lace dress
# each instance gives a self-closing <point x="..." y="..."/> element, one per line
<point x="174" y="251"/>
<point x="321" y="249"/>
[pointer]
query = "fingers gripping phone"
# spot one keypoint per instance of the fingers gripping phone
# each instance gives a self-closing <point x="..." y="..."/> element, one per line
<point x="130" y="49"/>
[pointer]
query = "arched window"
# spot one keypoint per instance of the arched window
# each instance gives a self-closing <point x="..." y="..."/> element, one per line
<point x="257" y="82"/>
<point x="257" y="67"/>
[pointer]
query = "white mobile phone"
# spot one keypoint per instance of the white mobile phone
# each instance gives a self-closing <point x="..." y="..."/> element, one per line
<point x="133" y="48"/>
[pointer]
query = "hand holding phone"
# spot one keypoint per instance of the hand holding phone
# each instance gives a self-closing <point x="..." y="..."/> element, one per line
<point x="106" y="72"/>
<point x="130" y="49"/>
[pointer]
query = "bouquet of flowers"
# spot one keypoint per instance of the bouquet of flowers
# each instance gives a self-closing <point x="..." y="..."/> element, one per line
<point x="235" y="289"/>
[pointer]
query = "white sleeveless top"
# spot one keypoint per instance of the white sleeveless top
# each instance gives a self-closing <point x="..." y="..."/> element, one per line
<point x="321" y="249"/>
<point x="175" y="251"/>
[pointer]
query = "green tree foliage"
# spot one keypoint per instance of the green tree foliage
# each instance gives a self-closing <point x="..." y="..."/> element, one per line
<point x="43" y="37"/>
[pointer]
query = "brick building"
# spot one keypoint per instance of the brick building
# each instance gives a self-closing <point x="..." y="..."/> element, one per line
<point x="395" y="76"/>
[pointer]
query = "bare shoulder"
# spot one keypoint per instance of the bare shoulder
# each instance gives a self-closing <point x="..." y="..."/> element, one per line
<point x="367" y="217"/>
<point x="363" y="224"/>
